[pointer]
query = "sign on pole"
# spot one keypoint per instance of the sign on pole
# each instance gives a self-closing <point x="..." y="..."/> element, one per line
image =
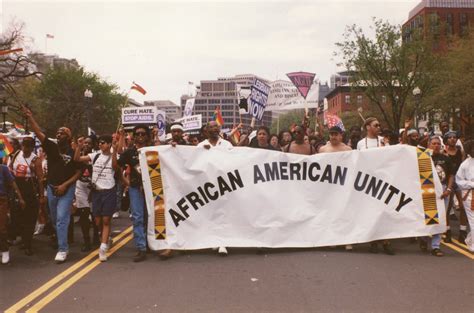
<point x="303" y="81"/>
<point x="188" y="109"/>
<point x="191" y="122"/>
<point x="139" y="115"/>
<point x="161" y="124"/>
<point x="258" y="98"/>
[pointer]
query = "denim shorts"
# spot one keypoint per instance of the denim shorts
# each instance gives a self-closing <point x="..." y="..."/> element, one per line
<point x="104" y="202"/>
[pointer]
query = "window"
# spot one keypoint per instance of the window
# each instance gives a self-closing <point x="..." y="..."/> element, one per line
<point x="347" y="99"/>
<point x="359" y="99"/>
<point x="206" y="87"/>
<point x="449" y="24"/>
<point x="228" y="107"/>
<point x="463" y="24"/>
<point x="200" y="101"/>
<point x="218" y="86"/>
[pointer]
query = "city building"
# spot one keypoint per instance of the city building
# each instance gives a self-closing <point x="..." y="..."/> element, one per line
<point x="224" y="92"/>
<point x="173" y="111"/>
<point x="340" y="79"/>
<point x="44" y="62"/>
<point x="439" y="21"/>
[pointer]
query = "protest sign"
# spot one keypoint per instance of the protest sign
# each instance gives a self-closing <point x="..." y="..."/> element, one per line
<point x="246" y="197"/>
<point x="258" y="98"/>
<point x="284" y="96"/>
<point x="303" y="81"/>
<point x="191" y="122"/>
<point x="161" y="124"/>
<point x="139" y="115"/>
<point x="188" y="109"/>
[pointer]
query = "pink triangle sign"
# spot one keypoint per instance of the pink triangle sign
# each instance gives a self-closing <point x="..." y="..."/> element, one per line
<point x="302" y="81"/>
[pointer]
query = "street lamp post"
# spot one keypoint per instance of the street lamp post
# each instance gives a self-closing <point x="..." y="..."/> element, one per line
<point x="88" y="101"/>
<point x="4" y="113"/>
<point x="417" y="95"/>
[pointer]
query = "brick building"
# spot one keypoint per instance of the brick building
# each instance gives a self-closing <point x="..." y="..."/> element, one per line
<point x="439" y="21"/>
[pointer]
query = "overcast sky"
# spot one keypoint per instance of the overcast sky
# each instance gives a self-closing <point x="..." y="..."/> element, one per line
<point x="163" y="45"/>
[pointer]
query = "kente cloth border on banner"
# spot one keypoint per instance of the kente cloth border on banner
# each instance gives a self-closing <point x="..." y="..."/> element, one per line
<point x="243" y="197"/>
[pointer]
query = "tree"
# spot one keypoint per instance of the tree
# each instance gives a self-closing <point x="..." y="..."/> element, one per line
<point x="58" y="100"/>
<point x="14" y="65"/>
<point x="453" y="93"/>
<point x="383" y="65"/>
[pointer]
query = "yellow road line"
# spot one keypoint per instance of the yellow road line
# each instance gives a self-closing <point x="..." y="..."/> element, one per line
<point x="459" y="244"/>
<point x="454" y="247"/>
<point x="68" y="283"/>
<point x="60" y="276"/>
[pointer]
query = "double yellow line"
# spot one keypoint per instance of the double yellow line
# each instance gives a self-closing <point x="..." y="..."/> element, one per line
<point x="63" y="275"/>
<point x="459" y="247"/>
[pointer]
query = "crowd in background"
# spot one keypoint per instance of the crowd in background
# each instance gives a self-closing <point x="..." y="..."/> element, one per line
<point x="44" y="190"/>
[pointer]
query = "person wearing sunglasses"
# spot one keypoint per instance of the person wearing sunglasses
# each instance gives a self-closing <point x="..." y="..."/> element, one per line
<point x="372" y="139"/>
<point x="102" y="186"/>
<point x="63" y="173"/>
<point x="298" y="145"/>
<point x="129" y="158"/>
<point x="457" y="155"/>
<point x="26" y="168"/>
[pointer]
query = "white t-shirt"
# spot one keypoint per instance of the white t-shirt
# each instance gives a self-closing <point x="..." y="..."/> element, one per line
<point x="102" y="171"/>
<point x="221" y="144"/>
<point x="369" y="143"/>
<point x="22" y="167"/>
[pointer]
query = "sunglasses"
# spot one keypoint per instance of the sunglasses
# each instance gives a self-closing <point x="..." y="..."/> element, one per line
<point x="140" y="134"/>
<point x="376" y="125"/>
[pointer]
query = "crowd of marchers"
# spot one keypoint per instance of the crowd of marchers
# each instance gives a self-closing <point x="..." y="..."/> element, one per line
<point x="88" y="180"/>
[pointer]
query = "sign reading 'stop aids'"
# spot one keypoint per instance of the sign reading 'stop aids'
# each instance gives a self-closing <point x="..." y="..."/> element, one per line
<point x="139" y="115"/>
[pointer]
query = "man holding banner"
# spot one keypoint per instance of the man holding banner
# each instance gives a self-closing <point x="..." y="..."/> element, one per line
<point x="215" y="141"/>
<point x="129" y="158"/>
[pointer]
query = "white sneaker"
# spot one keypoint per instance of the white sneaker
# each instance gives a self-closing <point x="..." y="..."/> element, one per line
<point x="102" y="255"/>
<point x="39" y="229"/>
<point x="5" y="257"/>
<point x="61" y="257"/>
<point x="222" y="251"/>
<point x="116" y="215"/>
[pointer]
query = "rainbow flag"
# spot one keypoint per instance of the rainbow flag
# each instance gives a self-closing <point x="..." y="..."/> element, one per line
<point x="20" y="128"/>
<point x="236" y="137"/>
<point x="218" y="116"/>
<point x="5" y="147"/>
<point x="138" y="88"/>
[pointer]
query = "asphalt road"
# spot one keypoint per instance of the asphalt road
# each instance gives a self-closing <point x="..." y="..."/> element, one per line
<point x="278" y="280"/>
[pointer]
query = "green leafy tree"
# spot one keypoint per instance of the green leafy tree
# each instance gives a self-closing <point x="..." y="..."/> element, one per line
<point x="382" y="65"/>
<point x="453" y="94"/>
<point x="58" y="100"/>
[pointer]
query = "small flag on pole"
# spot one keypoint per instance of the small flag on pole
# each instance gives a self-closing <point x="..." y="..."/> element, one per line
<point x="334" y="120"/>
<point x="4" y="52"/>
<point x="49" y="36"/>
<point x="218" y="116"/>
<point x="5" y="147"/>
<point x="138" y="88"/>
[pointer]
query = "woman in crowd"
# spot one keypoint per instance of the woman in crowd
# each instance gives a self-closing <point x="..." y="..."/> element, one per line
<point x="27" y="170"/>
<point x="275" y="142"/>
<point x="456" y="154"/>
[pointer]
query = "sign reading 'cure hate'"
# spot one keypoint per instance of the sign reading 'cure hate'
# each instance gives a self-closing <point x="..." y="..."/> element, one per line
<point x="139" y="115"/>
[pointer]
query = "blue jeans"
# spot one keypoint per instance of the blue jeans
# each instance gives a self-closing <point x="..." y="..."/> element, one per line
<point x="60" y="214"/>
<point x="137" y="206"/>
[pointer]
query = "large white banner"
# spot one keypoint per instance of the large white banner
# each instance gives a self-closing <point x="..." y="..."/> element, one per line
<point x="247" y="197"/>
<point x="284" y="96"/>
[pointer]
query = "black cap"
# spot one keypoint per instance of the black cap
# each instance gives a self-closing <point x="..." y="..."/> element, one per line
<point x="335" y="129"/>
